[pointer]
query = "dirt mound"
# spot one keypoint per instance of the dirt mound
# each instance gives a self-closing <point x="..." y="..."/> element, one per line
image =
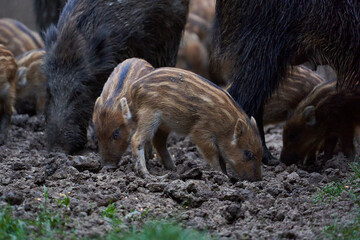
<point x="279" y="206"/>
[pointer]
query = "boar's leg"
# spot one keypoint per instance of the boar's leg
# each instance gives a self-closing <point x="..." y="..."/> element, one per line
<point x="159" y="143"/>
<point x="329" y="146"/>
<point x="347" y="143"/>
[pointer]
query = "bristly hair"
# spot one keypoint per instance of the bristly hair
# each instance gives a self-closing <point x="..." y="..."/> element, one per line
<point x="262" y="38"/>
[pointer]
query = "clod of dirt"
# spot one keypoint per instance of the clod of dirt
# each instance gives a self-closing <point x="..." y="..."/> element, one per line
<point x="156" y="187"/>
<point x="194" y="173"/>
<point x="104" y="200"/>
<point x="20" y="120"/>
<point x="18" y="165"/>
<point x="231" y="195"/>
<point x="13" y="198"/>
<point x="39" y="178"/>
<point x="51" y="167"/>
<point x="82" y="163"/>
<point x="315" y="178"/>
<point x="293" y="177"/>
<point x="192" y="193"/>
<point x="36" y="123"/>
<point x="233" y="212"/>
<point x="288" y="235"/>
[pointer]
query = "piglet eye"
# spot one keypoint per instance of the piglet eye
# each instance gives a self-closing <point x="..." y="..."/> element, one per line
<point x="249" y="155"/>
<point x="116" y="134"/>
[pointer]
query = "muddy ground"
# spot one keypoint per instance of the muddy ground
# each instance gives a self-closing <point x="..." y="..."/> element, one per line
<point x="278" y="207"/>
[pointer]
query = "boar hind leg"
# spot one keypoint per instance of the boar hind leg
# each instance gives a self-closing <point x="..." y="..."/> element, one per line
<point x="159" y="143"/>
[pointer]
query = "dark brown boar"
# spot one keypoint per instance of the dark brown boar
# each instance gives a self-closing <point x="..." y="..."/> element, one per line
<point x="17" y="37"/>
<point x="31" y="83"/>
<point x="47" y="13"/>
<point x="299" y="82"/>
<point x="8" y="69"/>
<point x="90" y="39"/>
<point x="320" y="120"/>
<point x="263" y="38"/>
<point x="174" y="100"/>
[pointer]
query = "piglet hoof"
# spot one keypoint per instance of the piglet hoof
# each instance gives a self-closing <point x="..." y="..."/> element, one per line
<point x="141" y="171"/>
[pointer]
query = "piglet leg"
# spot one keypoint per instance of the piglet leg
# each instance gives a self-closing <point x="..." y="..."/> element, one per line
<point x="159" y="143"/>
<point x="209" y="150"/>
<point x="148" y="124"/>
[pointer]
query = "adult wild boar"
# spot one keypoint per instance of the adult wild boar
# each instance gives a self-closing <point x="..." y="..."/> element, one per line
<point x="47" y="13"/>
<point x="262" y="38"/>
<point x="90" y="39"/>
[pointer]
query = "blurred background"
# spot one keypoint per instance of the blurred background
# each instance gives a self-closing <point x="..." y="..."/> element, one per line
<point x="21" y="10"/>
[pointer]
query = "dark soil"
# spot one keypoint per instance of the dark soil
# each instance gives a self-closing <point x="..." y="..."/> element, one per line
<point x="278" y="207"/>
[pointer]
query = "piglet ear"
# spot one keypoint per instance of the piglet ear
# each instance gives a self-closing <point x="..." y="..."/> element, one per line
<point x="240" y="128"/>
<point x="97" y="102"/>
<point x="309" y="116"/>
<point x="125" y="108"/>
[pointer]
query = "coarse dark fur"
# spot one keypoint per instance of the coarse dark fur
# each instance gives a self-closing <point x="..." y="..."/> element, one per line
<point x="47" y="12"/>
<point x="91" y="38"/>
<point x="320" y="120"/>
<point x="262" y="38"/>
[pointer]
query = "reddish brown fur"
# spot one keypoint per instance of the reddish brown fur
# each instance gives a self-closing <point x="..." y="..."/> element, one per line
<point x="194" y="50"/>
<point x="107" y="116"/>
<point x="170" y="99"/>
<point x="203" y="8"/>
<point x="322" y="118"/>
<point x="295" y="87"/>
<point x="200" y="26"/>
<point x="192" y="55"/>
<point x="31" y="82"/>
<point x="17" y="37"/>
<point x="8" y="69"/>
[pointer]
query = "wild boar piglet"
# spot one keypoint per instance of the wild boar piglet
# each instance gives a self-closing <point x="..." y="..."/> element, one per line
<point x="8" y="69"/>
<point x="174" y="100"/>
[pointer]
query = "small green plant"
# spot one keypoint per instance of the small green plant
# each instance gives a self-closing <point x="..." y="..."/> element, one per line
<point x="330" y="192"/>
<point x="160" y="230"/>
<point x="111" y="213"/>
<point x="351" y="229"/>
<point x="11" y="228"/>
